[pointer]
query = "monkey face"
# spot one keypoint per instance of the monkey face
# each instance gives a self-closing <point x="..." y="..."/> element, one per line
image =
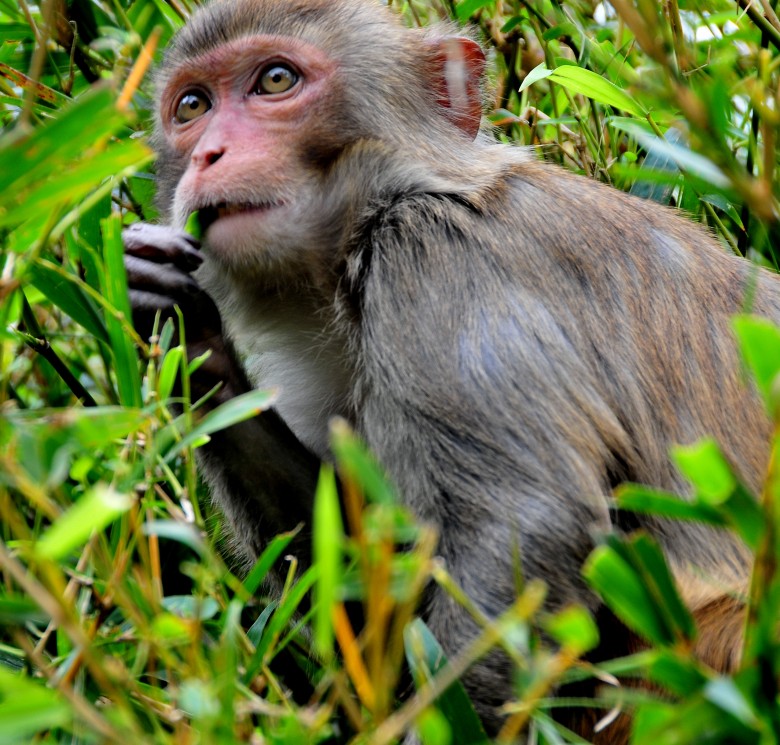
<point x="273" y="125"/>
<point x="244" y="122"/>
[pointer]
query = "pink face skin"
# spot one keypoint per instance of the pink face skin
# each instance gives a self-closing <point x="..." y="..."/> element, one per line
<point x="240" y="116"/>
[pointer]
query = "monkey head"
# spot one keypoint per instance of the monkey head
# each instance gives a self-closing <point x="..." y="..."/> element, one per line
<point x="265" y="108"/>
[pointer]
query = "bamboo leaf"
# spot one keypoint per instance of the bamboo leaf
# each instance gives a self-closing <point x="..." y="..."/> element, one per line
<point x="588" y="83"/>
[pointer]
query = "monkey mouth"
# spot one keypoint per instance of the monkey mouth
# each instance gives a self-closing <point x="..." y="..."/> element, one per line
<point x="226" y="209"/>
<point x="209" y="214"/>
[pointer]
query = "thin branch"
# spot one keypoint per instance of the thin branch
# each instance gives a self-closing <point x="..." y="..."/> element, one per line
<point x="38" y="342"/>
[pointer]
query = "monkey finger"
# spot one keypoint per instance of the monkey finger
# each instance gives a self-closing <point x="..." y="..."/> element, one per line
<point x="161" y="279"/>
<point x="142" y="301"/>
<point x="161" y="286"/>
<point x="145" y="306"/>
<point x="162" y="244"/>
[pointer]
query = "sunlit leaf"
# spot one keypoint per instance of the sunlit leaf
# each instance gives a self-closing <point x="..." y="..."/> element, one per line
<point x="705" y="467"/>
<point x="94" y="511"/>
<point x="114" y="285"/>
<point x="231" y="412"/>
<point x="759" y="340"/>
<point x="328" y="535"/>
<point x="588" y="83"/>
<point x="183" y="533"/>
<point x="28" y="708"/>
<point x="573" y="628"/>
<point x="649" y="501"/>
<point x="466" y="8"/>
<point x="538" y="73"/>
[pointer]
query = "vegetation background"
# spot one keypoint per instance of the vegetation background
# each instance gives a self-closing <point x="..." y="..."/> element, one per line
<point x="121" y="618"/>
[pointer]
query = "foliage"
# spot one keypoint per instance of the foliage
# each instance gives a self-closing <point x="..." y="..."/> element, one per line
<point x="121" y="619"/>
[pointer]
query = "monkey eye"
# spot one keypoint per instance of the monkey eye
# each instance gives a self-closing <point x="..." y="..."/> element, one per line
<point x="276" y="78"/>
<point x="191" y="105"/>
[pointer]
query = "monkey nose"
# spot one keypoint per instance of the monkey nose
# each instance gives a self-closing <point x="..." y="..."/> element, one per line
<point x="207" y="157"/>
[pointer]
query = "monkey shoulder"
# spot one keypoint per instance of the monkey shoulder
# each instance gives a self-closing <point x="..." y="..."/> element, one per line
<point x="508" y="311"/>
<point x="480" y="334"/>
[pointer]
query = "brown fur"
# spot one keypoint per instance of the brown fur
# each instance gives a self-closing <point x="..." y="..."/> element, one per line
<point x="720" y="625"/>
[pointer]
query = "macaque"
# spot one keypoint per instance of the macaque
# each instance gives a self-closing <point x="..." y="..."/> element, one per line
<point x="511" y="341"/>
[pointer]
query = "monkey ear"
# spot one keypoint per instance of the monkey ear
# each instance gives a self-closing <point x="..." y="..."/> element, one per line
<point x="458" y="66"/>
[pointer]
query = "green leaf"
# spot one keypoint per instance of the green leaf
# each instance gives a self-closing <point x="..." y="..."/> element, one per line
<point x="357" y="463"/>
<point x="538" y="73"/>
<point x="100" y="506"/>
<point x="705" y="467"/>
<point x="284" y="612"/>
<point x="16" y="610"/>
<point x="267" y="559"/>
<point x="190" y="607"/>
<point x="759" y="341"/>
<point x="226" y="667"/>
<point x="686" y="160"/>
<point x="680" y="675"/>
<point x="198" y="699"/>
<point x="46" y="439"/>
<point x="649" y="560"/>
<point x="574" y="629"/>
<point x="327" y="540"/>
<point x="225" y="415"/>
<point x="171" y="629"/>
<point x="512" y="23"/>
<point x="68" y="296"/>
<point x="426" y="657"/>
<point x="648" y="501"/>
<point x="724" y="205"/>
<point x="72" y="185"/>
<point x="624" y="591"/>
<point x="746" y="516"/>
<point x="193" y="226"/>
<point x="16" y="32"/>
<point x="91" y="428"/>
<point x="694" y="720"/>
<point x="59" y="141"/>
<point x="169" y="369"/>
<point x="183" y="533"/>
<point x="142" y="187"/>
<point x="173" y="20"/>
<point x="560" y="30"/>
<point x="467" y="8"/>
<point x="114" y="286"/>
<point x="739" y="511"/>
<point x="588" y="83"/>
<point x="255" y="632"/>
<point x="726" y="696"/>
<point x="28" y="708"/>
<point x="433" y="728"/>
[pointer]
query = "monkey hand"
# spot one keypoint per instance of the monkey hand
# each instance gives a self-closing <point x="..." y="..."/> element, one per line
<point x="159" y="261"/>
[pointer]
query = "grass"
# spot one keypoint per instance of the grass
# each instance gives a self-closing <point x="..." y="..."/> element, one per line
<point x="122" y="616"/>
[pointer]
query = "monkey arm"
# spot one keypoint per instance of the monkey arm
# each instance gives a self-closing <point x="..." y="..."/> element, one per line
<point x="264" y="480"/>
<point x="259" y="472"/>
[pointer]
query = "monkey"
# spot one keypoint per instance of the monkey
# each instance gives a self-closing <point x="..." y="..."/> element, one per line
<point x="512" y="341"/>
